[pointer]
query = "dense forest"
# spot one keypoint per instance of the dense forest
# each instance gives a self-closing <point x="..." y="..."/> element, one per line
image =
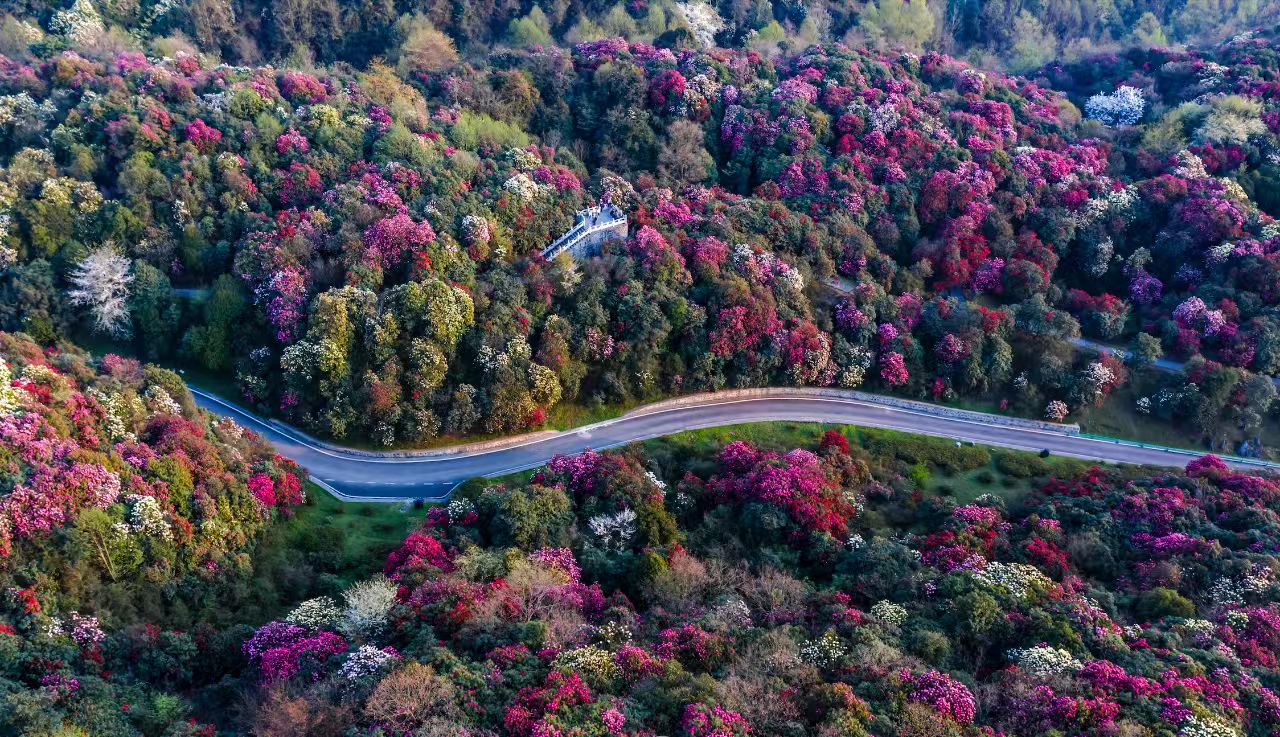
<point x="1014" y="34"/>
<point x="338" y="209"/>
<point x="360" y="249"/>
<point x="863" y="583"/>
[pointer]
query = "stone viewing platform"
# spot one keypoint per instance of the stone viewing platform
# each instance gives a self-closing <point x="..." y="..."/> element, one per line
<point x="594" y="226"/>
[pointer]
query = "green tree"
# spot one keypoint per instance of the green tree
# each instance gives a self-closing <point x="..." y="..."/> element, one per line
<point x="1147" y="32"/>
<point x="1145" y="349"/>
<point x="532" y="30"/>
<point x="1033" y="45"/>
<point x="532" y="517"/>
<point x="898" y="22"/>
<point x="211" y="345"/>
<point x="97" y="538"/>
<point x="154" y="313"/>
<point x="1162" y="602"/>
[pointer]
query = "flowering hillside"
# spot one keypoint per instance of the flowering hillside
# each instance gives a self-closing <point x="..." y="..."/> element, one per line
<point x="111" y="476"/>
<point x="811" y="592"/>
<point x="360" y="251"/>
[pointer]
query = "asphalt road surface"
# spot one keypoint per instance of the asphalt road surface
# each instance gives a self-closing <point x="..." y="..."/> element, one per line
<point x="431" y="475"/>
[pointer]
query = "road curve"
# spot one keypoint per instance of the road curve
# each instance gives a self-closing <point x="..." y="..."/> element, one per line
<point x="361" y="475"/>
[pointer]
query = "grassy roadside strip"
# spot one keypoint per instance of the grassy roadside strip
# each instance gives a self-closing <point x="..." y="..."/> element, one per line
<point x="937" y="465"/>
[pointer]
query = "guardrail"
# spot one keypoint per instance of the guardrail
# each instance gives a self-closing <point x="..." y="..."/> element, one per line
<point x="571" y="239"/>
<point x="1259" y="462"/>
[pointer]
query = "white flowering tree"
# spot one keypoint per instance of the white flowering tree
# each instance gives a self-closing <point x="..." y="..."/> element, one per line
<point x="1057" y="410"/>
<point x="1122" y="107"/>
<point x="367" y="605"/>
<point x="320" y="613"/>
<point x="614" y="531"/>
<point x="703" y="21"/>
<point x="101" y="283"/>
<point x="1044" y="661"/>
<point x="80" y="24"/>
<point x="10" y="396"/>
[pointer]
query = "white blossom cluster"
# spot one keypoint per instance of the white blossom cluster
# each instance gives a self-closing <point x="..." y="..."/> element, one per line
<point x="615" y="190"/>
<point x="1218" y="255"/>
<point x="1236" y="619"/>
<point x="86" y="630"/>
<point x="765" y="268"/>
<point x="1195" y="726"/>
<point x="1232" y="592"/>
<point x="523" y="159"/>
<point x="147" y="518"/>
<point x="81" y="23"/>
<point x="22" y="106"/>
<point x="1200" y="630"/>
<point x="592" y="661"/>
<point x="38" y="373"/>
<point x="1189" y="166"/>
<point x="10" y="396"/>
<point x="366" y="661"/>
<point x="491" y="360"/>
<point x="699" y="87"/>
<point x="825" y="651"/>
<point x="161" y="402"/>
<point x="118" y="409"/>
<point x="83" y="630"/>
<point x="229" y="428"/>
<point x="1019" y="579"/>
<point x="1097" y="375"/>
<point x="8" y="254"/>
<point x="1213" y="74"/>
<point x="613" y="531"/>
<point x="731" y="615"/>
<point x="318" y="614"/>
<point x="458" y="509"/>
<point x="302" y="360"/>
<point x="1122" y="107"/>
<point x="524" y="188"/>
<point x="1043" y="660"/>
<point x="703" y="21"/>
<point x="368" y="604"/>
<point x="659" y="483"/>
<point x="855" y="542"/>
<point x="888" y="612"/>
<point x="885" y="118"/>
<point x="613" y="634"/>
<point x="854" y="373"/>
<point x="475" y="230"/>
<point x="100" y="281"/>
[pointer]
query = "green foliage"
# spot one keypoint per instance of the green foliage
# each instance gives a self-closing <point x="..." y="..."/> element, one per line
<point x="477" y="131"/>
<point x="898" y="22"/>
<point x="529" y="518"/>
<point x="939" y="454"/>
<point x="1163" y="602"/>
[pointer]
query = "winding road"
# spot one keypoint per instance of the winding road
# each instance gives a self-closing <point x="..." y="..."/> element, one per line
<point x="355" y="475"/>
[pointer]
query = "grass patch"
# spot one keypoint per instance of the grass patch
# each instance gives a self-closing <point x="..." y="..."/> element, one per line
<point x="348" y="540"/>
<point x="938" y="467"/>
<point x="1117" y="418"/>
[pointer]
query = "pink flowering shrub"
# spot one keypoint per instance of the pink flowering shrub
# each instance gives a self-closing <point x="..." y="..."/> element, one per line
<point x="945" y="695"/>
<point x="700" y="720"/>
<point x="795" y="483"/>
<point x="283" y="651"/>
